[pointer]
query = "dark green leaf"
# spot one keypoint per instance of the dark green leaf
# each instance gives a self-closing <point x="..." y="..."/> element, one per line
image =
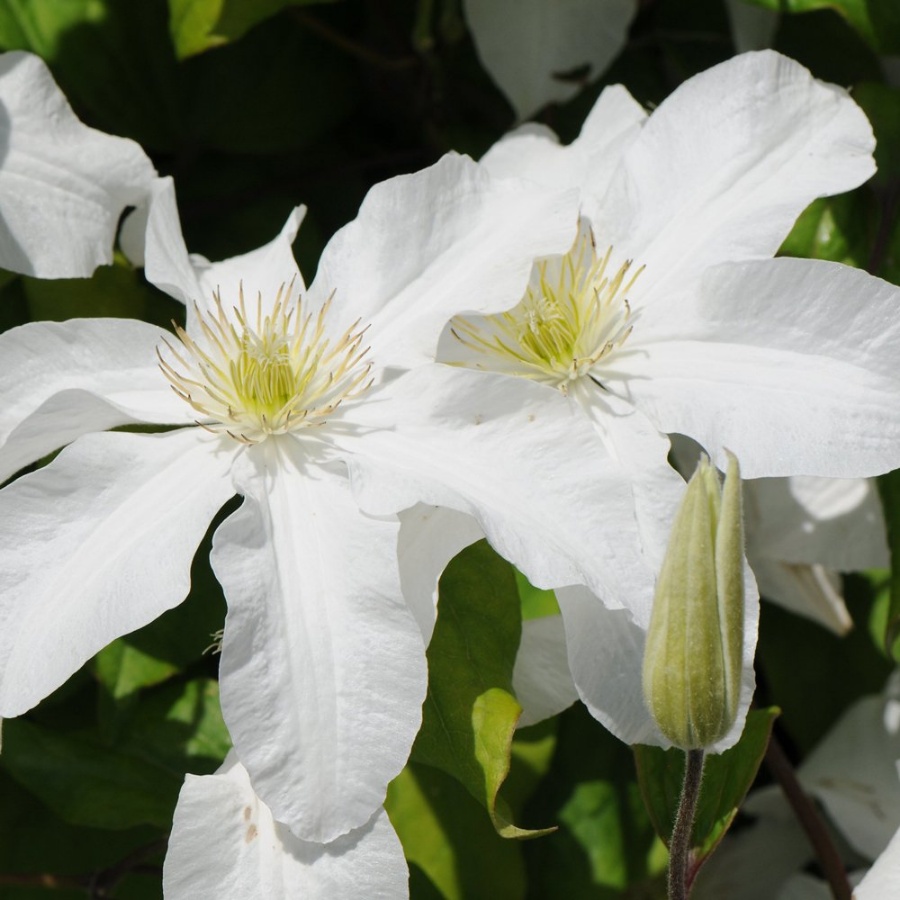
<point x="605" y="848"/>
<point x="86" y="782"/>
<point x="889" y="489"/>
<point x="813" y="674"/>
<point x="470" y="713"/>
<point x="726" y="779"/>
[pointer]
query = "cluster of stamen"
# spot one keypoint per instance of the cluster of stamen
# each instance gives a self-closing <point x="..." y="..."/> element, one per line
<point x="573" y="315"/>
<point x="260" y="374"/>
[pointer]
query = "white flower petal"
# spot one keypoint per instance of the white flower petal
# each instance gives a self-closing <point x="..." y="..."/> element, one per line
<point x="811" y="591"/>
<point x="63" y="186"/>
<point x="883" y="879"/>
<point x="60" y="380"/>
<point x="225" y="845"/>
<point x="853" y="772"/>
<point x="191" y="278"/>
<point x="837" y="522"/>
<point x="606" y="655"/>
<point x="725" y="165"/>
<point x="779" y="365"/>
<point x="534" y="153"/>
<point x="529" y="46"/>
<point x="482" y="444"/>
<point x="429" y="538"/>
<point x="323" y="666"/>
<point x="752" y="27"/>
<point x="541" y="678"/>
<point x="98" y="544"/>
<point x="429" y="245"/>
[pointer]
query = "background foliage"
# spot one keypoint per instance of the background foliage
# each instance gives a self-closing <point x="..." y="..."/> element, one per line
<point x="255" y="106"/>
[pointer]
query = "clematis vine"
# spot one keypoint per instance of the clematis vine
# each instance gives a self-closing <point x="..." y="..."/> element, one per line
<point x="320" y="408"/>
<point x="667" y="316"/>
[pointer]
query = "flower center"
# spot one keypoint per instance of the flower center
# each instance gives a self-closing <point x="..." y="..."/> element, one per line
<point x="251" y="376"/>
<point x="573" y="315"/>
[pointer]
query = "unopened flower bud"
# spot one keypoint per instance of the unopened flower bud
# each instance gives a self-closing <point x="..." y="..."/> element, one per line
<point x="692" y="662"/>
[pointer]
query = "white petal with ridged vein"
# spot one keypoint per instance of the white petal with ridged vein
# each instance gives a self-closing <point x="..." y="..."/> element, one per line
<point x="724" y="166"/>
<point x="225" y="845"/>
<point x="97" y="544"/>
<point x="781" y="364"/>
<point x="63" y="186"/>
<point x="63" y="379"/>
<point x="530" y="46"/>
<point x="518" y="458"/>
<point x="323" y="666"/>
<point x="534" y="153"/>
<point x="427" y="246"/>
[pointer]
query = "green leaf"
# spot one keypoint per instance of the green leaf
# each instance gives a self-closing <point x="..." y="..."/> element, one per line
<point x="179" y="726"/>
<point x="878" y="21"/>
<point x="605" y="846"/>
<point x="112" y="291"/>
<point x="536" y="603"/>
<point x="882" y="106"/>
<point x="86" y="782"/>
<point x="124" y="669"/>
<point x="812" y="694"/>
<point x="198" y="25"/>
<point x="834" y="228"/>
<point x="112" y="59"/>
<point x="453" y="851"/>
<point x="726" y="779"/>
<point x="470" y="713"/>
<point x="35" y="844"/>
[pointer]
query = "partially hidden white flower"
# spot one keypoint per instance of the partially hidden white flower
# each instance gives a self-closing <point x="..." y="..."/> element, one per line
<point x="543" y="51"/>
<point x="668" y="316"/>
<point x="293" y="399"/>
<point x="802" y="532"/>
<point x="226" y="845"/>
<point x="853" y="774"/>
<point x="63" y="186"/>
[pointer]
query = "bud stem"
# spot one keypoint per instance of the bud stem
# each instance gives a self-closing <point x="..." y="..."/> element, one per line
<point x="680" y="877"/>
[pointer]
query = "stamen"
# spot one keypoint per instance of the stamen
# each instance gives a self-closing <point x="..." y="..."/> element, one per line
<point x="251" y="375"/>
<point x="574" y="314"/>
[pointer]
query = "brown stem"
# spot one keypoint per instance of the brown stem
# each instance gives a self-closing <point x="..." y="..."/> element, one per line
<point x="680" y="841"/>
<point x="348" y="45"/>
<point x="810" y="820"/>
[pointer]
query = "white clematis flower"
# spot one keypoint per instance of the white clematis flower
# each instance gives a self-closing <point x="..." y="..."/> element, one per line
<point x="291" y="399"/>
<point x="543" y="51"/>
<point x="63" y="186"/>
<point x="803" y="531"/>
<point x="226" y="845"/>
<point x="667" y="316"/>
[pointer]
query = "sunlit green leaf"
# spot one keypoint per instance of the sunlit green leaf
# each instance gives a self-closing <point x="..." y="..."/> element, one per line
<point x="446" y="836"/>
<point x="726" y="779"/>
<point x="124" y="669"/>
<point x="198" y="25"/>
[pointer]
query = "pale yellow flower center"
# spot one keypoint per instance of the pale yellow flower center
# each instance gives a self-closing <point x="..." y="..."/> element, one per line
<point x="252" y="376"/>
<point x="574" y="314"/>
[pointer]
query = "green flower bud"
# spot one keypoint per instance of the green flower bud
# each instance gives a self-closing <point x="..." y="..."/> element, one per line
<point x="693" y="659"/>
